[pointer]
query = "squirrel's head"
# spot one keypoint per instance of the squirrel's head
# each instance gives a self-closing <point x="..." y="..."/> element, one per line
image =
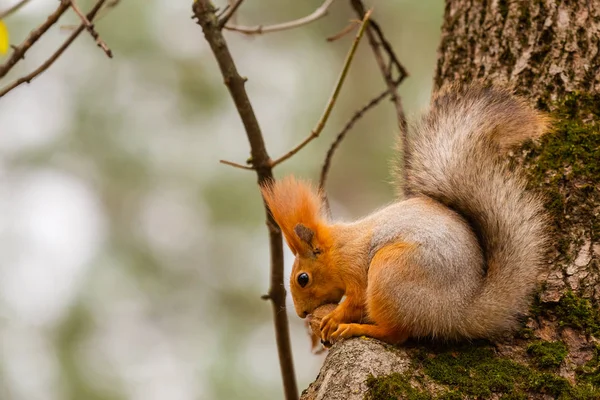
<point x="313" y="281"/>
<point x="297" y="209"/>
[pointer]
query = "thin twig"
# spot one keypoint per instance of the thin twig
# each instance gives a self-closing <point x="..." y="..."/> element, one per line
<point x="349" y="28"/>
<point x="340" y="136"/>
<point x="13" y="9"/>
<point x="229" y="13"/>
<point x="236" y="165"/>
<point x="204" y="12"/>
<point x="260" y="29"/>
<point x="90" y="28"/>
<point x="110" y="4"/>
<point x="20" y="50"/>
<point x="27" y="78"/>
<point x="403" y="73"/>
<point x="321" y="123"/>
<point x="234" y="17"/>
<point x="385" y="71"/>
<point x="375" y="30"/>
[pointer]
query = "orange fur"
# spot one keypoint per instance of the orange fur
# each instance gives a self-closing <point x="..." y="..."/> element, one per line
<point x="391" y="256"/>
<point x="381" y="324"/>
<point x="291" y="202"/>
<point x="391" y="252"/>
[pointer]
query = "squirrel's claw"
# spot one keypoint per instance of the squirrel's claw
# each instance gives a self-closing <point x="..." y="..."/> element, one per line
<point x="343" y="331"/>
<point x="329" y="324"/>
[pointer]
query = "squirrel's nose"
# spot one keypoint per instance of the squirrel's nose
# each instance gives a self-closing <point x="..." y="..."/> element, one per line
<point x="304" y="314"/>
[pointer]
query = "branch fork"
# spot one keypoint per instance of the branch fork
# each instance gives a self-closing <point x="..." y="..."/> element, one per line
<point x="34" y="36"/>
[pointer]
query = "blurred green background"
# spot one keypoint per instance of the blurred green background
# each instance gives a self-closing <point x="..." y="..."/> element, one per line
<point x="131" y="261"/>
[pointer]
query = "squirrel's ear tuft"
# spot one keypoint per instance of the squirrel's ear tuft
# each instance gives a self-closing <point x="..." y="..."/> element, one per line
<point x="296" y="207"/>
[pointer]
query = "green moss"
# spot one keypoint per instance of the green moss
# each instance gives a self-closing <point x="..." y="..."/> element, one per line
<point x="476" y="372"/>
<point x="585" y="392"/>
<point x="547" y="354"/>
<point x="525" y="333"/>
<point x="577" y="312"/>
<point x="514" y="396"/>
<point x="451" y="395"/>
<point x="565" y="166"/>
<point x="549" y="384"/>
<point x="393" y="386"/>
<point x="590" y="372"/>
<point x="536" y="305"/>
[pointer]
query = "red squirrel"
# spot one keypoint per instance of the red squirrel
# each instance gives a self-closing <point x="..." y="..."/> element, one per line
<point x="457" y="257"/>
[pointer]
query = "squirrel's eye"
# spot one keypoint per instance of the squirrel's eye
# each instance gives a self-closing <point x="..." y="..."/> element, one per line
<point x="303" y="279"/>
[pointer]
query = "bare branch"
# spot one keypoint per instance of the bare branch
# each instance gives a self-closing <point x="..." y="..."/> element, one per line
<point x="357" y="115"/>
<point x="110" y="4"/>
<point x="90" y="28"/>
<point x="229" y="13"/>
<point x="403" y="73"/>
<point x="373" y="34"/>
<point x="349" y="28"/>
<point x="260" y="29"/>
<point x="204" y="12"/>
<point x="236" y="165"/>
<point x="27" y="78"/>
<point x="234" y="17"/>
<point x="19" y="51"/>
<point x="13" y="9"/>
<point x="321" y="123"/>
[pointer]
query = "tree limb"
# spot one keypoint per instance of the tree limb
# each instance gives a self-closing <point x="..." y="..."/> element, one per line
<point x="11" y="10"/>
<point x="205" y="14"/>
<point x="229" y="13"/>
<point x="236" y="165"/>
<point x="260" y="29"/>
<point x="90" y="28"/>
<point x="373" y="34"/>
<point x="323" y="120"/>
<point x="347" y="29"/>
<point x="377" y="40"/>
<point x="340" y="136"/>
<point x="27" y="78"/>
<point x="19" y="51"/>
<point x="348" y="364"/>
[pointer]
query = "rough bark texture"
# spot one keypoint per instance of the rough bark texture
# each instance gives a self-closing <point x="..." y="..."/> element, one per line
<point x="544" y="48"/>
<point x="548" y="51"/>
<point x="343" y="375"/>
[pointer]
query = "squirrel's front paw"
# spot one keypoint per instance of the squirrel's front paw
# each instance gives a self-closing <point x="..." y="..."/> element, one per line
<point x="329" y="324"/>
<point x="344" y="331"/>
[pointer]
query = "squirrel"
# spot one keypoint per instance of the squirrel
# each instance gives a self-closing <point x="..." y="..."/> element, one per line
<point x="456" y="258"/>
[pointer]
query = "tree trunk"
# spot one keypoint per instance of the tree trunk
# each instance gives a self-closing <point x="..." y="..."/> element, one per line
<point x="548" y="51"/>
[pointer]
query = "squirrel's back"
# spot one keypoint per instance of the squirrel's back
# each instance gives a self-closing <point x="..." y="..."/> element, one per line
<point x="454" y="156"/>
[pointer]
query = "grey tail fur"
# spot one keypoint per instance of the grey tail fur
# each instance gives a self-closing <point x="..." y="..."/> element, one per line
<point x="454" y="156"/>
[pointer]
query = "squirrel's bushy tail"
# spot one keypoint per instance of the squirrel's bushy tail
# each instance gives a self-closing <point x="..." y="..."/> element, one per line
<point x="454" y="156"/>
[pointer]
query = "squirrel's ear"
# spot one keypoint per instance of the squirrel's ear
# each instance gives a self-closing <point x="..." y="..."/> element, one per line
<point x="305" y="234"/>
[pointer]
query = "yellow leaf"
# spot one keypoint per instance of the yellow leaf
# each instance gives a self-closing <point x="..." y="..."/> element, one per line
<point x="4" y="43"/>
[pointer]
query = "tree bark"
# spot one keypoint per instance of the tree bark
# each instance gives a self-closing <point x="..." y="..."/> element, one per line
<point x="548" y="51"/>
